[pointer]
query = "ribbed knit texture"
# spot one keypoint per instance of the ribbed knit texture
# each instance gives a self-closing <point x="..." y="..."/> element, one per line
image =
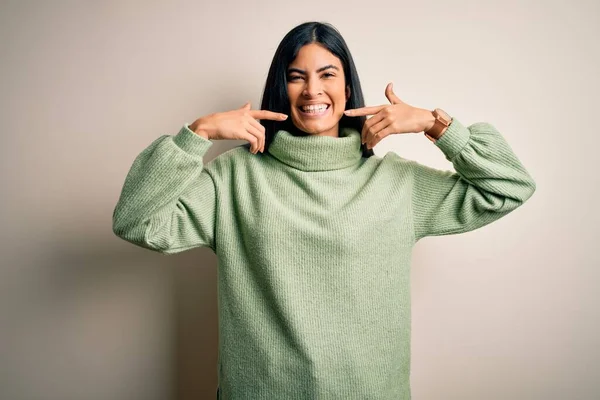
<point x="314" y="247"/>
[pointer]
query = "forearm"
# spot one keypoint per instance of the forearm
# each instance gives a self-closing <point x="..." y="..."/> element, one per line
<point x="490" y="181"/>
<point x="167" y="201"/>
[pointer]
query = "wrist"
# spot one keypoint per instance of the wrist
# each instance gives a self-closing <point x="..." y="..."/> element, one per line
<point x="198" y="129"/>
<point x="441" y="121"/>
<point x="427" y="120"/>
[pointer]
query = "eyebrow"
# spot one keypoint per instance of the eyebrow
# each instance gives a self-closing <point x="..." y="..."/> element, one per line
<point x="300" y="71"/>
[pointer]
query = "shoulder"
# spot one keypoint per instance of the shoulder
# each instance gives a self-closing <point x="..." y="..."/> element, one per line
<point x="396" y="162"/>
<point x="408" y="170"/>
<point x="399" y="163"/>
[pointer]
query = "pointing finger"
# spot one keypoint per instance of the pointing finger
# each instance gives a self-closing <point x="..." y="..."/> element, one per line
<point x="266" y="114"/>
<point x="358" y="112"/>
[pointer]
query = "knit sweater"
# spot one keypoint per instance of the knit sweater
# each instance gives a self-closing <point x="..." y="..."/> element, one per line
<point x="314" y="245"/>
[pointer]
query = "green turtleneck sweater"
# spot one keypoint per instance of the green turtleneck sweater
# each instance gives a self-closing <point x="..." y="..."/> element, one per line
<point x="314" y="247"/>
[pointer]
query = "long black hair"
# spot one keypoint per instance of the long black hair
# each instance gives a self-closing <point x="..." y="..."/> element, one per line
<point x="275" y="96"/>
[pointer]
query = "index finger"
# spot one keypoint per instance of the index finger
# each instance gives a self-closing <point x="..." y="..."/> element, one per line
<point x="266" y="114"/>
<point x="358" y="112"/>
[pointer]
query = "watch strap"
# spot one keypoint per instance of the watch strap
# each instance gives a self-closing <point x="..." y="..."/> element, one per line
<point x="439" y="126"/>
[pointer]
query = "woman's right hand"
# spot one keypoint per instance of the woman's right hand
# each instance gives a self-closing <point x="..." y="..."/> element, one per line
<point x="237" y="124"/>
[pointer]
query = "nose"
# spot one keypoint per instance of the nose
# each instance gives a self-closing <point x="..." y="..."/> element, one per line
<point x="312" y="88"/>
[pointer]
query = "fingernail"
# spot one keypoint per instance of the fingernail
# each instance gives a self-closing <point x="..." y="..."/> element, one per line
<point x="284" y="117"/>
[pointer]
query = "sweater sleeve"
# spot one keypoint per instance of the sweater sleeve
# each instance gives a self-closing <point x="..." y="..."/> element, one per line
<point x="168" y="202"/>
<point x="489" y="182"/>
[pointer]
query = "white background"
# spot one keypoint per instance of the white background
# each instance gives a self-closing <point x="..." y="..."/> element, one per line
<point x="509" y="311"/>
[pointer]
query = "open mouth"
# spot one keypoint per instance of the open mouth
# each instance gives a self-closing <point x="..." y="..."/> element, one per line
<point x="316" y="111"/>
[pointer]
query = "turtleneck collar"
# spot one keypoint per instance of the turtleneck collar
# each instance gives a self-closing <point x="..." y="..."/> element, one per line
<point x="317" y="153"/>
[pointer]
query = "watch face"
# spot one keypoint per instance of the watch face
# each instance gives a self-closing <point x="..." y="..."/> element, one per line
<point x="443" y="114"/>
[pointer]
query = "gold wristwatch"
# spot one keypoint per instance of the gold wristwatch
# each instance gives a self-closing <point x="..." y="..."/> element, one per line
<point x="442" y="121"/>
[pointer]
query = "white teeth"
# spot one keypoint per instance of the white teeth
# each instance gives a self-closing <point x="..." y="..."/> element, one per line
<point x="315" y="108"/>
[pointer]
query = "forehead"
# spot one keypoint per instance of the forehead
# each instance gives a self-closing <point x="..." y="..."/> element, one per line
<point x="313" y="56"/>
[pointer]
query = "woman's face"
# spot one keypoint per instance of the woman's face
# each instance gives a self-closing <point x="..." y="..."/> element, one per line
<point x="316" y="79"/>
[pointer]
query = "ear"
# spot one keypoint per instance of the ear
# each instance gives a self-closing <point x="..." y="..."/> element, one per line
<point x="347" y="92"/>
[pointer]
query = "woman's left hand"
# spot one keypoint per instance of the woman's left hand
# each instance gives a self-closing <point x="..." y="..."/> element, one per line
<point x="397" y="117"/>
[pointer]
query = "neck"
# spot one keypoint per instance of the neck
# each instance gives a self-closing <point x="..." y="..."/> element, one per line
<point x="307" y="152"/>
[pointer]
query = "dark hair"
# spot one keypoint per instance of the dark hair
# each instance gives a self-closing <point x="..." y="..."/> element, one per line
<point x="275" y="96"/>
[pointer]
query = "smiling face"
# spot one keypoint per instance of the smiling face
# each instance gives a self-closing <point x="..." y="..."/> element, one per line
<point x="317" y="91"/>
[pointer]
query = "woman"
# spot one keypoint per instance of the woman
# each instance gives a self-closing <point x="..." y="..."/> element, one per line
<point x="313" y="232"/>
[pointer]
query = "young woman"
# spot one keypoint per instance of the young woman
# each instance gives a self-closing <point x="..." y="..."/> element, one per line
<point x="313" y="232"/>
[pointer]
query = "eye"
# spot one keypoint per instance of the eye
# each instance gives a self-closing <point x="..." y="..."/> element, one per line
<point x="293" y="78"/>
<point x="328" y="74"/>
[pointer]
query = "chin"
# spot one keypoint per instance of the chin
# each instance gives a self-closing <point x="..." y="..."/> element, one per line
<point x="315" y="128"/>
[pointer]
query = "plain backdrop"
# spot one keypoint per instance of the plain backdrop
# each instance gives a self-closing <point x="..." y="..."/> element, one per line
<point x="509" y="311"/>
